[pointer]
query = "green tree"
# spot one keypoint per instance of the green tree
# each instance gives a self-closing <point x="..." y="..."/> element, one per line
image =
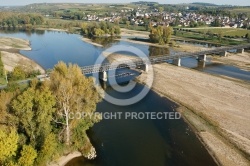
<point x="127" y="24"/>
<point x="8" y="144"/>
<point x="216" y="23"/>
<point x="28" y="156"/>
<point x="34" y="109"/>
<point x="74" y="93"/>
<point x="5" y="99"/>
<point x="98" y="32"/>
<point x="18" y="73"/>
<point x="1" y="66"/>
<point x="167" y="33"/>
<point x="220" y="35"/>
<point x="48" y="149"/>
<point x="160" y="9"/>
<point x="161" y="35"/>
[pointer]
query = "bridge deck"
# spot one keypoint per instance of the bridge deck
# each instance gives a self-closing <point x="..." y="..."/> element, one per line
<point x="154" y="59"/>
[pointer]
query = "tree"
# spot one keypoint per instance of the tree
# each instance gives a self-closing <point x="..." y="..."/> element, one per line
<point x="74" y="93"/>
<point x="5" y="99"/>
<point x="98" y="32"/>
<point x="248" y="37"/>
<point x="8" y="144"/>
<point x="48" y="149"/>
<point x="18" y="73"/>
<point x="28" y="156"/>
<point x="167" y="32"/>
<point x="161" y="34"/>
<point x="34" y="109"/>
<point x="220" y="35"/>
<point x="160" y="9"/>
<point x="127" y="24"/>
<point x="216" y="23"/>
<point x="1" y="66"/>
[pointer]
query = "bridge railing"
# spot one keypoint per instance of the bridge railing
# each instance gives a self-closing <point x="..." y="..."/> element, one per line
<point x="154" y="59"/>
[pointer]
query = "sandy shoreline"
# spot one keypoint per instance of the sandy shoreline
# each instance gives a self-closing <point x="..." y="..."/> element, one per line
<point x="87" y="40"/>
<point x="52" y="29"/>
<point x="11" y="57"/>
<point x="65" y="159"/>
<point x="217" y="108"/>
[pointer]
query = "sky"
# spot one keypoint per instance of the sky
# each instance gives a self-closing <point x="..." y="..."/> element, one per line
<point x="220" y="2"/>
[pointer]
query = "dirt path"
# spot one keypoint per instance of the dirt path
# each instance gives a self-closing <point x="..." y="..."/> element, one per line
<point x="220" y="109"/>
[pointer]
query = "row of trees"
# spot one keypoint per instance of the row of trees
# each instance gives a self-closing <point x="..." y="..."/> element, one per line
<point x="14" y="19"/>
<point x="100" y="29"/>
<point x="161" y="34"/>
<point x="19" y="73"/>
<point x="35" y="123"/>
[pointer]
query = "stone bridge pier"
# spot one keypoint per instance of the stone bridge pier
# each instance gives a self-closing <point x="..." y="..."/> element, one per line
<point x="177" y="61"/>
<point x="224" y="53"/>
<point x="145" y="67"/>
<point x="202" y="57"/>
<point x="240" y="50"/>
<point x="103" y="76"/>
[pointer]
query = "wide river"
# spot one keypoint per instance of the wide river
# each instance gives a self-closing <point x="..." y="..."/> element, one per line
<point x="123" y="142"/>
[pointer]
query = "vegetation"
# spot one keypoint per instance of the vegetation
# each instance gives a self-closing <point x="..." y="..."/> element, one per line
<point x="228" y="32"/>
<point x="161" y="34"/>
<point x="209" y="35"/>
<point x="2" y="72"/>
<point x="15" y="20"/>
<point x="100" y="29"/>
<point x="19" y="73"/>
<point x="35" y="126"/>
<point x="1" y="66"/>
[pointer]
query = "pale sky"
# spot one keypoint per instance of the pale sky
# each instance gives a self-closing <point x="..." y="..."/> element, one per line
<point x="221" y="2"/>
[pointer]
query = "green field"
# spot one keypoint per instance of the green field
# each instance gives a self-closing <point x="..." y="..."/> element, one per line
<point x="240" y="10"/>
<point x="2" y="81"/>
<point x="225" y="31"/>
<point x="208" y="38"/>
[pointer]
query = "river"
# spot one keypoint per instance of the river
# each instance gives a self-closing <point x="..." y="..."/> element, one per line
<point x="122" y="141"/>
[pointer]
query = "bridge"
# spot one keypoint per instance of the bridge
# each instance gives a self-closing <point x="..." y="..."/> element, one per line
<point x="138" y="62"/>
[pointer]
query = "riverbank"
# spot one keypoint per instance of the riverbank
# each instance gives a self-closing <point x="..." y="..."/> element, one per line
<point x="87" y="40"/>
<point x="241" y="60"/>
<point x="133" y="33"/>
<point x="52" y="29"/>
<point x="11" y="57"/>
<point x="216" y="107"/>
<point x="65" y="159"/>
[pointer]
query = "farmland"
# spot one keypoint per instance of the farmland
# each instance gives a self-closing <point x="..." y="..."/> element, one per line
<point x="233" y="32"/>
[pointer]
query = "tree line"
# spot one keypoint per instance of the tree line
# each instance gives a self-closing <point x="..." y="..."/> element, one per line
<point x="100" y="29"/>
<point x="35" y="123"/>
<point x="16" y="19"/>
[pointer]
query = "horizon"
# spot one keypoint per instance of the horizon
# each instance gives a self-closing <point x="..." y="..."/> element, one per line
<point x="28" y="2"/>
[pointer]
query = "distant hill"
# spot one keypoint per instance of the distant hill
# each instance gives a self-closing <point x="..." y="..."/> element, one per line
<point x="203" y="4"/>
<point x="145" y="3"/>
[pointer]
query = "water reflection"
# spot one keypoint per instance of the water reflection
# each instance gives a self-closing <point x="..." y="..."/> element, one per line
<point x="158" y="51"/>
<point x="105" y="41"/>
